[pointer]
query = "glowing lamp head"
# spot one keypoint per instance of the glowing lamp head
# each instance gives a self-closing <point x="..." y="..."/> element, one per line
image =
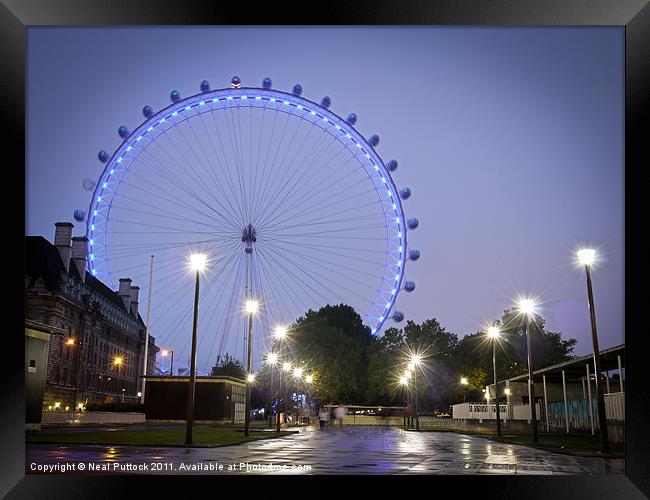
<point x="507" y="391"/>
<point x="251" y="378"/>
<point x="197" y="261"/>
<point x="411" y="367"/>
<point x="69" y="342"/>
<point x="118" y="360"/>
<point x="280" y="332"/>
<point x="586" y="256"/>
<point x="403" y="380"/>
<point x="251" y="306"/>
<point x="416" y="359"/>
<point x="493" y="332"/>
<point x="272" y="358"/>
<point x="139" y="394"/>
<point x="407" y="374"/>
<point x="309" y="379"/>
<point x="286" y="367"/>
<point x="526" y="306"/>
<point x="297" y="372"/>
<point x="464" y="381"/>
<point x="164" y="353"/>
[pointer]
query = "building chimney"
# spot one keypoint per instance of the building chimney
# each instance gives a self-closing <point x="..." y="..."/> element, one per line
<point x="79" y="252"/>
<point x="125" y="292"/>
<point x="62" y="237"/>
<point x="135" y="290"/>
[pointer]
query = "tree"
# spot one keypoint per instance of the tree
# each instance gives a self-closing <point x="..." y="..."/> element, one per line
<point x="230" y="367"/>
<point x="475" y="351"/>
<point x="334" y="342"/>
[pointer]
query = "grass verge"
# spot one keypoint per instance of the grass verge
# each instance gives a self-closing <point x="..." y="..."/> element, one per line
<point x="203" y="436"/>
<point x="572" y="444"/>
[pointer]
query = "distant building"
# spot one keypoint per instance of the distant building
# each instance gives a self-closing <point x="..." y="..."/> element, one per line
<point x="94" y="336"/>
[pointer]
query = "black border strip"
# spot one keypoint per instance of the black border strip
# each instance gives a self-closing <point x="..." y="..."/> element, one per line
<point x="16" y="15"/>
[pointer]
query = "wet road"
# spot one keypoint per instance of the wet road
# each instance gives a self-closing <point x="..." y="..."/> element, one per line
<point x="347" y="450"/>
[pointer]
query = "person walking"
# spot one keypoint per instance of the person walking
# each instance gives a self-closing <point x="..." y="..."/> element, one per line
<point x="323" y="417"/>
<point x="340" y="413"/>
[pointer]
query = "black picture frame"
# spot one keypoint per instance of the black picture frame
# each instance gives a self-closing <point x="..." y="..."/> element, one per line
<point x="634" y="15"/>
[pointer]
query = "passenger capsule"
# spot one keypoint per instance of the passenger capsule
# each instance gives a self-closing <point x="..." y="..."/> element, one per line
<point x="392" y="165"/>
<point x="414" y="255"/>
<point x="297" y="89"/>
<point x="398" y="316"/>
<point x="147" y="111"/>
<point x="374" y="140"/>
<point x="405" y="193"/>
<point x="235" y="82"/>
<point x="175" y="95"/>
<point x="266" y="83"/>
<point x="79" y="215"/>
<point x="123" y="131"/>
<point x="205" y="86"/>
<point x="413" y="223"/>
<point x="326" y="102"/>
<point x="409" y="286"/>
<point x="103" y="156"/>
<point x="352" y="119"/>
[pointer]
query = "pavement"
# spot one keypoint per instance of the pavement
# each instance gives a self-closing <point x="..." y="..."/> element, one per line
<point x="346" y="450"/>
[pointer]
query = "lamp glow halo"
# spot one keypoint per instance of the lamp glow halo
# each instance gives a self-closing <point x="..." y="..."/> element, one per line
<point x="328" y="230"/>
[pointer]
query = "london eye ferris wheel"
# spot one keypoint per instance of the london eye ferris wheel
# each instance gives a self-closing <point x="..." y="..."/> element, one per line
<point x="291" y="204"/>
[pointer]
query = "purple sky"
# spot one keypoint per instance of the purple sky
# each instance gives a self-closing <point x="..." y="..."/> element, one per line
<point x="511" y="140"/>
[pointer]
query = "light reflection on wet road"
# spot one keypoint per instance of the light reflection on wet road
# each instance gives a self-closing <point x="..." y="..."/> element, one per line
<point x="350" y="450"/>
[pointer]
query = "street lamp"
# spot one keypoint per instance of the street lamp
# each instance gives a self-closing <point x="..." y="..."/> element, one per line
<point x="251" y="308"/>
<point x="164" y="354"/>
<point x="404" y="380"/>
<point x="280" y="332"/>
<point x="493" y="334"/>
<point x="272" y="360"/>
<point x="71" y="342"/>
<point x="286" y="366"/>
<point x="464" y="382"/>
<point x="309" y="379"/>
<point x="197" y="264"/>
<point x="527" y="308"/>
<point x="415" y="362"/>
<point x="586" y="257"/>
<point x="297" y="375"/>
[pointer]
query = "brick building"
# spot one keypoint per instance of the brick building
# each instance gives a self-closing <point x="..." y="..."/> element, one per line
<point x="96" y="344"/>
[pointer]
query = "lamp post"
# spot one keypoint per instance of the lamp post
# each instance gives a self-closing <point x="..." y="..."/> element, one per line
<point x="251" y="308"/>
<point x="527" y="307"/>
<point x="493" y="333"/>
<point x="403" y="380"/>
<point x="280" y="334"/>
<point x="464" y="382"/>
<point x="146" y="336"/>
<point x="297" y="376"/>
<point x="285" y="368"/>
<point x="415" y="362"/>
<point x="71" y="342"/>
<point x="408" y="374"/>
<point x="309" y="379"/>
<point x="197" y="264"/>
<point x="165" y="353"/>
<point x="272" y="360"/>
<point x="587" y="257"/>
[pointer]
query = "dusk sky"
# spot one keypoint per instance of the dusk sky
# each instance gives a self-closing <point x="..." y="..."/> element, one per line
<point x="511" y="140"/>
